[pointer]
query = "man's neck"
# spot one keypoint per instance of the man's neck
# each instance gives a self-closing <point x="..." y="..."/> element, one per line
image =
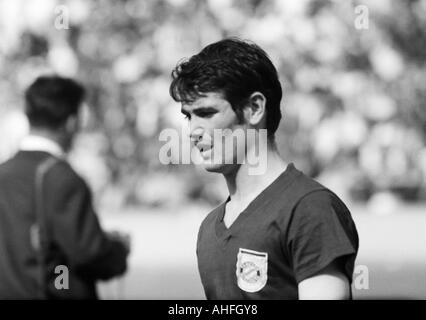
<point x="244" y="187"/>
<point x="42" y="140"/>
<point x="47" y="134"/>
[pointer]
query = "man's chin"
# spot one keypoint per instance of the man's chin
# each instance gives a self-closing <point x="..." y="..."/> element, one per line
<point x="211" y="167"/>
<point x="218" y="168"/>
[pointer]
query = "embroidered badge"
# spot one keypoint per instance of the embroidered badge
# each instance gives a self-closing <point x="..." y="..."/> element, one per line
<point x="252" y="270"/>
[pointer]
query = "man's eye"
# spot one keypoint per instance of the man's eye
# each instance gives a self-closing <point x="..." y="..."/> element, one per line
<point x="187" y="117"/>
<point x="205" y="114"/>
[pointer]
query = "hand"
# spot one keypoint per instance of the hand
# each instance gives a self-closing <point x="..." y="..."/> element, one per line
<point x="122" y="237"/>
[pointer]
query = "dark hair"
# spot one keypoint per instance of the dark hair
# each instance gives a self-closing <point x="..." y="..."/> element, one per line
<point x="235" y="68"/>
<point x="51" y="100"/>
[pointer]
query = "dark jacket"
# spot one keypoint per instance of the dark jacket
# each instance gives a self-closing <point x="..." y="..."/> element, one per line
<point x="76" y="238"/>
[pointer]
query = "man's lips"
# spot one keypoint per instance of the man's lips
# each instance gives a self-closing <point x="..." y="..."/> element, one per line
<point x="203" y="147"/>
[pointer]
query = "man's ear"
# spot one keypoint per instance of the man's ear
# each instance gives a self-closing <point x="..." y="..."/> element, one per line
<point x="255" y="110"/>
<point x="71" y="125"/>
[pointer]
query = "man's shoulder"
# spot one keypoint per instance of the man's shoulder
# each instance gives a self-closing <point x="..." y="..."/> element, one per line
<point x="306" y="191"/>
<point x="315" y="199"/>
<point x="23" y="166"/>
<point x="293" y="187"/>
<point x="320" y="200"/>
<point x="304" y="184"/>
<point x="62" y="175"/>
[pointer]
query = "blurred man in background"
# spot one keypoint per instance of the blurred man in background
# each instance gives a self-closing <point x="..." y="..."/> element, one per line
<point x="280" y="234"/>
<point x="51" y="242"/>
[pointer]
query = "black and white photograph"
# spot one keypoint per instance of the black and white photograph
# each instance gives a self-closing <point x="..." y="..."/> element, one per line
<point x="231" y="150"/>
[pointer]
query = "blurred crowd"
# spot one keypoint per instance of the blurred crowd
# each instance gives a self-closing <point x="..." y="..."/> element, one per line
<point x="354" y="106"/>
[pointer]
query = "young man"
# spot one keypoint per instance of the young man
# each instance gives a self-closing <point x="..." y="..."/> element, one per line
<point x="280" y="234"/>
<point x="46" y="215"/>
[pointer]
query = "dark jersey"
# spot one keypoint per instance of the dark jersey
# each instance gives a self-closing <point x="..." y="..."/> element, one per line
<point x="289" y="232"/>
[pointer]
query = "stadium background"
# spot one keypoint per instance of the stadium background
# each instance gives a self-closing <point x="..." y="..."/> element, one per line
<point x="354" y="118"/>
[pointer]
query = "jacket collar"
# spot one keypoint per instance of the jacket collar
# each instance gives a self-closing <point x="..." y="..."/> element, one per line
<point x="39" y="143"/>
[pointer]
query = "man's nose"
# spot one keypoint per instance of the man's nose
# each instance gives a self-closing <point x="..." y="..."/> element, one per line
<point x="196" y="134"/>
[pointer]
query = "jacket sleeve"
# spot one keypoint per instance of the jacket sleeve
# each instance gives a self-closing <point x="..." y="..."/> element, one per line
<point x="76" y="230"/>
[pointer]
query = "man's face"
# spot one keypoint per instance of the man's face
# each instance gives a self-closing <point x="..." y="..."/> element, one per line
<point x="206" y="115"/>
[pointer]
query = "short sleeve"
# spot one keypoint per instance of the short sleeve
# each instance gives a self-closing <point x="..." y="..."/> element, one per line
<point x="321" y="231"/>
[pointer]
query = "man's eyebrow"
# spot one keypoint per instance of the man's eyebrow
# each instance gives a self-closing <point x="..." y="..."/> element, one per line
<point x="204" y="108"/>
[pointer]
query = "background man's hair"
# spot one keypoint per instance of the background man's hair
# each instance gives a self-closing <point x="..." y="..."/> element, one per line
<point x="51" y="100"/>
<point x="235" y="68"/>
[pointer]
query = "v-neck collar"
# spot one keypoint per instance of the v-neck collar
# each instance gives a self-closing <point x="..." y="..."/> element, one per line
<point x="284" y="179"/>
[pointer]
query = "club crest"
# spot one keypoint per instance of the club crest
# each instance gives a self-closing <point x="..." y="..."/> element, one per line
<point x="252" y="270"/>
